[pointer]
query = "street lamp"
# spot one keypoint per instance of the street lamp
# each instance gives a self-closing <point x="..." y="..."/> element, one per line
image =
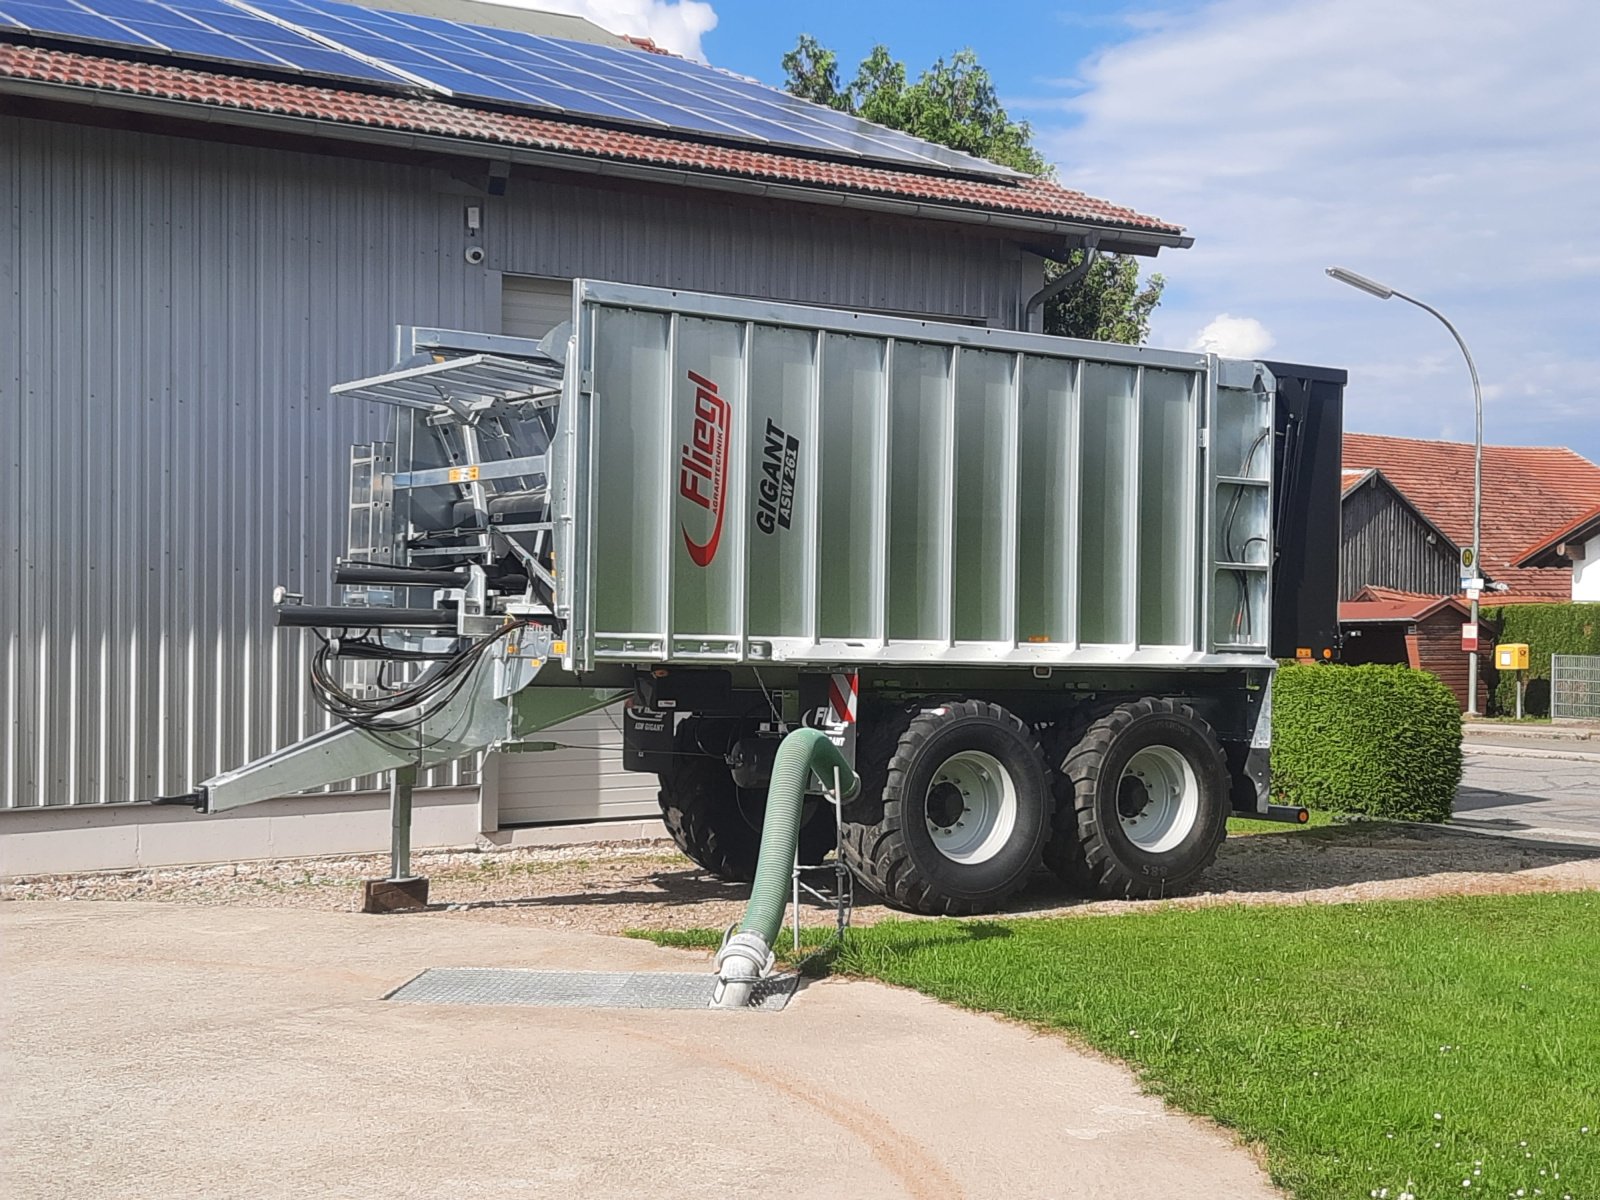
<point x="1383" y="292"/>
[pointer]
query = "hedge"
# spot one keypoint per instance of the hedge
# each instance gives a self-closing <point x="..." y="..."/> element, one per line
<point x="1547" y="629"/>
<point x="1380" y="740"/>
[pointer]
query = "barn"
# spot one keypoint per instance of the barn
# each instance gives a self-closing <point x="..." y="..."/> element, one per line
<point x="219" y="210"/>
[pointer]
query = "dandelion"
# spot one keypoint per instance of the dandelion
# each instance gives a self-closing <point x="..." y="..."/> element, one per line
<point x="1477" y="1170"/>
<point x="1466" y="1183"/>
<point x="1407" y="1196"/>
<point x="1436" y="1145"/>
<point x="1585" y="1129"/>
<point x="1389" y="1135"/>
<point x="1438" y="1116"/>
<point x="1522" y="1191"/>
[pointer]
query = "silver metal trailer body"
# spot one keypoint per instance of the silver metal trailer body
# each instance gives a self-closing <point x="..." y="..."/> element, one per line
<point x="746" y="482"/>
<point x="1023" y="580"/>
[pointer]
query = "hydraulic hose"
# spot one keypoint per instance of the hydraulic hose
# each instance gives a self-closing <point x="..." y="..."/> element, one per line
<point x="746" y="955"/>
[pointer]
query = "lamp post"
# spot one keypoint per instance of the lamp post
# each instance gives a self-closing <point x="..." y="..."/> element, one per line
<point x="1383" y="292"/>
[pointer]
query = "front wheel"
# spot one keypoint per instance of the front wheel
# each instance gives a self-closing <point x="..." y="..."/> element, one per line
<point x="715" y="822"/>
<point x="1142" y="802"/>
<point x="952" y="813"/>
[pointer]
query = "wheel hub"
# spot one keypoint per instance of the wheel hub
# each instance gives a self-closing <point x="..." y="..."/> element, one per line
<point x="1158" y="799"/>
<point x="971" y="807"/>
<point x="945" y="805"/>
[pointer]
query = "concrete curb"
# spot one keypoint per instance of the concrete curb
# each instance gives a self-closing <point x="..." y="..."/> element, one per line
<point x="1553" y="733"/>
<point x="1528" y="752"/>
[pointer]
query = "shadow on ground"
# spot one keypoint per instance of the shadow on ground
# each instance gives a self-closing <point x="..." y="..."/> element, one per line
<point x="1371" y="861"/>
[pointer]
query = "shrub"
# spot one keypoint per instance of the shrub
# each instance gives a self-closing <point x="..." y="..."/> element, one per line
<point x="1380" y="740"/>
<point x="1547" y="629"/>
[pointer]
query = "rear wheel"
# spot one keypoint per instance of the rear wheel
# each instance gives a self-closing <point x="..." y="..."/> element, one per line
<point x="1142" y="801"/>
<point x="713" y="820"/>
<point x="951" y="817"/>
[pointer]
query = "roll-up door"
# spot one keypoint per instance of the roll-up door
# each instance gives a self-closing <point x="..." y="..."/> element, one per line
<point x="586" y="784"/>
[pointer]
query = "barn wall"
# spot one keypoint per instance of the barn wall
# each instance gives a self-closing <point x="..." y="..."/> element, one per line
<point x="1385" y="544"/>
<point x="177" y="309"/>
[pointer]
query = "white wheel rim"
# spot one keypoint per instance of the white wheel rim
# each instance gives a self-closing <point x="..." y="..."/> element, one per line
<point x="1158" y="799"/>
<point x="971" y="807"/>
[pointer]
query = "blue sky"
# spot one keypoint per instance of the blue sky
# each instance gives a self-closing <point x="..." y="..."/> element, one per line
<point x="1450" y="148"/>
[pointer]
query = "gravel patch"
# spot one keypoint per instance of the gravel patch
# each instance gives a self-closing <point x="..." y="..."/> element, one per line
<point x="612" y="887"/>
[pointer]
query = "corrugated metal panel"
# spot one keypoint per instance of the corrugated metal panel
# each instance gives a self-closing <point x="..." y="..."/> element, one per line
<point x="178" y="309"/>
<point x="184" y="308"/>
<point x="702" y="242"/>
<point x="1384" y="544"/>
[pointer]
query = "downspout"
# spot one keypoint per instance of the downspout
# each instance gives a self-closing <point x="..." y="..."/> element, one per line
<point x="1091" y="251"/>
<point x="745" y="956"/>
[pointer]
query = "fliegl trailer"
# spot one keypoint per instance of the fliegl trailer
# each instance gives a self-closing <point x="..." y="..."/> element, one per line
<point x="1033" y="587"/>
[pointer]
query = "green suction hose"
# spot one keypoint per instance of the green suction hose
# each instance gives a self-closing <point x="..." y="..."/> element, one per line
<point x="748" y="953"/>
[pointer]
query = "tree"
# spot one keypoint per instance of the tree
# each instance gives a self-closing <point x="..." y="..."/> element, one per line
<point x="1108" y="304"/>
<point x="954" y="103"/>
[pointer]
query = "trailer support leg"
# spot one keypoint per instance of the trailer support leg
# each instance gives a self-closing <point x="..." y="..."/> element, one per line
<point x="401" y="891"/>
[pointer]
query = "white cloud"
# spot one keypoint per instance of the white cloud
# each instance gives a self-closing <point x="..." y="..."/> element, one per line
<point x="1449" y="151"/>
<point x="1234" y="337"/>
<point x="676" y="25"/>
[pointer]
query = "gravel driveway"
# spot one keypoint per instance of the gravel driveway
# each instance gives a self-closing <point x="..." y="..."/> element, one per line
<point x="609" y="888"/>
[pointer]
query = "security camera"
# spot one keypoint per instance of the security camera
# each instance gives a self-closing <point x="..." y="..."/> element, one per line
<point x="475" y="255"/>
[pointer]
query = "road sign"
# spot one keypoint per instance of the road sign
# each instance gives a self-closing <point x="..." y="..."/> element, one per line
<point x="1469" y="639"/>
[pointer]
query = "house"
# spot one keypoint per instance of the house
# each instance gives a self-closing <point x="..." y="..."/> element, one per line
<point x="1386" y="625"/>
<point x="1529" y="493"/>
<point x="1575" y="547"/>
<point x="203" y="239"/>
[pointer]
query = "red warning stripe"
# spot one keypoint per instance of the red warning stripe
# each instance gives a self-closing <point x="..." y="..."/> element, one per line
<point x="842" y="693"/>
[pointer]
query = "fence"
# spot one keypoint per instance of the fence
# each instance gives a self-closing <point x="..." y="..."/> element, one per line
<point x="1575" y="687"/>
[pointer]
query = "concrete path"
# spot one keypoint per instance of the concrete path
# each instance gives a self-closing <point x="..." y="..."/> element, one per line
<point x="155" y="1050"/>
<point x="1507" y="790"/>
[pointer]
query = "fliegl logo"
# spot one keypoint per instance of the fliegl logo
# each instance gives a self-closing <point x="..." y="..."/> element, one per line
<point x="703" y="466"/>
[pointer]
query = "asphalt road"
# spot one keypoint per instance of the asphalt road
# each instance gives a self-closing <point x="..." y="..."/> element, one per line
<point x="1524" y="789"/>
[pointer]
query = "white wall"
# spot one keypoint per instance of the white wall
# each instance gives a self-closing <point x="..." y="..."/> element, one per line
<point x="1586" y="572"/>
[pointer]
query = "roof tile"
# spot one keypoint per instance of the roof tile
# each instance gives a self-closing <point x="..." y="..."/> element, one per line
<point x="347" y="106"/>
<point x="1528" y="492"/>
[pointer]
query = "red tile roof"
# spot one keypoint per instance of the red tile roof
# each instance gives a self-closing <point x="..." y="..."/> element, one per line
<point x="455" y="119"/>
<point x="1349" y="480"/>
<point x="1390" y="604"/>
<point x="1528" y="492"/>
<point x="1545" y="551"/>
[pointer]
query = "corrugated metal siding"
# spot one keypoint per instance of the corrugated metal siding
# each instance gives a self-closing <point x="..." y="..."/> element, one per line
<point x="177" y="309"/>
<point x="705" y="243"/>
<point x="1384" y="544"/>
<point x="183" y="308"/>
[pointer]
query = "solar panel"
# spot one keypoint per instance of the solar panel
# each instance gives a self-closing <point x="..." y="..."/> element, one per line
<point x="330" y="37"/>
<point x="656" y="91"/>
<point x="212" y="29"/>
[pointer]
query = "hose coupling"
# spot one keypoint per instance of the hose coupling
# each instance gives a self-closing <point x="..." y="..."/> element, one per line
<point x="742" y="961"/>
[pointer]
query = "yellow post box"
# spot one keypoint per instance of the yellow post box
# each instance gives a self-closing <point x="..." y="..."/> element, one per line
<point x="1511" y="656"/>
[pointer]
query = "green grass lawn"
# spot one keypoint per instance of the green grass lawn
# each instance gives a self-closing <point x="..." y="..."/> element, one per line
<point x="1430" y="1048"/>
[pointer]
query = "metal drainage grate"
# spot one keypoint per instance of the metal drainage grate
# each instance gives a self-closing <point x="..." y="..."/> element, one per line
<point x="580" y="989"/>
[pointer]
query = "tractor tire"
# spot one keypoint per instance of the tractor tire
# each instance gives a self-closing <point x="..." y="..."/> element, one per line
<point x="1142" y="801"/>
<point x="715" y="822"/>
<point x="953" y="810"/>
